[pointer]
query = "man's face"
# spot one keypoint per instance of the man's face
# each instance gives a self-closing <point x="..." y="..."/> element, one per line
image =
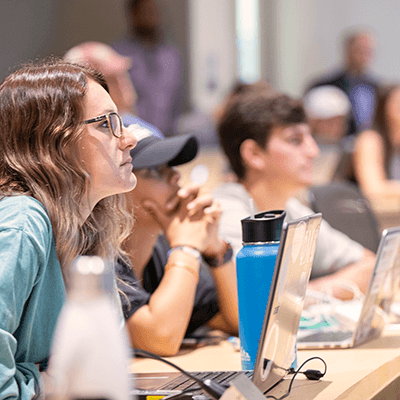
<point x="329" y="130"/>
<point x="158" y="184"/>
<point x="360" y="53"/>
<point x="289" y="156"/>
<point x="146" y="15"/>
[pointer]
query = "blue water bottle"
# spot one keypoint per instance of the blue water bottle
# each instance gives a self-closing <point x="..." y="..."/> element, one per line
<point x="255" y="265"/>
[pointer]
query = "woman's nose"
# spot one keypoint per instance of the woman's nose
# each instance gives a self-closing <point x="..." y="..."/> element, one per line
<point x="128" y="139"/>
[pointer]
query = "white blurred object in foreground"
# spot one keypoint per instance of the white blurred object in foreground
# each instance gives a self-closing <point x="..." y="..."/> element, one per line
<point x="90" y="352"/>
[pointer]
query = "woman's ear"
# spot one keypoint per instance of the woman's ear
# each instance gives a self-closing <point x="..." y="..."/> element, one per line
<point x="252" y="155"/>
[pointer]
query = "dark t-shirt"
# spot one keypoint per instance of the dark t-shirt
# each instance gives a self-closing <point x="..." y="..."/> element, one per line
<point x="134" y="295"/>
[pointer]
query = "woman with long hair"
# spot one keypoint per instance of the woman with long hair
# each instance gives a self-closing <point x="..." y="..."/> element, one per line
<point x="64" y="162"/>
<point x="377" y="151"/>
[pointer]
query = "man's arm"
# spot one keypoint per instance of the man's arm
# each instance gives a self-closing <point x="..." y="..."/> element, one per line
<point x="359" y="272"/>
<point x="227" y="319"/>
<point x="224" y="276"/>
<point x="160" y="325"/>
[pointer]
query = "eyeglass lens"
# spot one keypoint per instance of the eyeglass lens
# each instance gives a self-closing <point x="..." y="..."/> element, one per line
<point x="115" y="123"/>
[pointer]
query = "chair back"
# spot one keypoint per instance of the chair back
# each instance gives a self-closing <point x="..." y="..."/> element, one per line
<point x="345" y="208"/>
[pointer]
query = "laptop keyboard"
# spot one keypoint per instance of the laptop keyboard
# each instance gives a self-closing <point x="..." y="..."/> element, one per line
<point x="333" y="336"/>
<point x="183" y="382"/>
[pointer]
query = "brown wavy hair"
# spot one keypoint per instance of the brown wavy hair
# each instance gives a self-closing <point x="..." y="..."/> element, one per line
<point x="41" y="113"/>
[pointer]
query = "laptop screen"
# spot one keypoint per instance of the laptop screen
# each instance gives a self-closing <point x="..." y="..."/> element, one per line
<point x="380" y="291"/>
<point x="288" y="289"/>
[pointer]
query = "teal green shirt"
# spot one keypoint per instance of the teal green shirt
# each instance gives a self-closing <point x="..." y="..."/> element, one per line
<point x="32" y="293"/>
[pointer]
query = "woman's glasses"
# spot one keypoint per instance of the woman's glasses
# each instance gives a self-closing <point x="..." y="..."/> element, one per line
<point x="114" y="122"/>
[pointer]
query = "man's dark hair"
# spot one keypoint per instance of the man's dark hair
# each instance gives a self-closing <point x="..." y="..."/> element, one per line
<point x="253" y="115"/>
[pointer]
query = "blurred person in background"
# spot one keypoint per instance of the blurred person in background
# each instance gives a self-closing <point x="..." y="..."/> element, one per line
<point x="268" y="143"/>
<point x="114" y="68"/>
<point x="377" y="150"/>
<point x="156" y="66"/>
<point x="328" y="111"/>
<point x="355" y="79"/>
<point x="183" y="277"/>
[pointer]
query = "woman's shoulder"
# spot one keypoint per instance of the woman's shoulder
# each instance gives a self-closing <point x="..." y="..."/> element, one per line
<point x="368" y="142"/>
<point x="24" y="213"/>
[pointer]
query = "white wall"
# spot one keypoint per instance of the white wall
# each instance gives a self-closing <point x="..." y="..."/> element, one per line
<point x="300" y="38"/>
<point x="308" y="38"/>
<point x="26" y="31"/>
<point x="83" y="20"/>
<point x="31" y="29"/>
<point x="213" y="65"/>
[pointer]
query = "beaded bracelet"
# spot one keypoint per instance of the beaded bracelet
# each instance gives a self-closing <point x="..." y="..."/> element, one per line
<point x="192" y="270"/>
<point x="188" y="250"/>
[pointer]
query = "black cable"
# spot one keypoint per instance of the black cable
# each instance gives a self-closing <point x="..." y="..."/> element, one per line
<point x="215" y="390"/>
<point x="312" y="374"/>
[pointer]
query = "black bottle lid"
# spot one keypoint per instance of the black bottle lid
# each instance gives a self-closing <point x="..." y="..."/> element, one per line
<point x="263" y="227"/>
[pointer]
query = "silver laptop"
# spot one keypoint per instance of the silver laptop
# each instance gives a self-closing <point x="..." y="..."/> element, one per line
<point x="340" y="331"/>
<point x="281" y="321"/>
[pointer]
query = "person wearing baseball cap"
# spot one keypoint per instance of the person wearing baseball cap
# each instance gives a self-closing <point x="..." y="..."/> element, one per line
<point x="328" y="110"/>
<point x="182" y="277"/>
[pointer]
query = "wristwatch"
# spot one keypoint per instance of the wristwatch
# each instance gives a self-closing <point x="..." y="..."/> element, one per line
<point x="220" y="258"/>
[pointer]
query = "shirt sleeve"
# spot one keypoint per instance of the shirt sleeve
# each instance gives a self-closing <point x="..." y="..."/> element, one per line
<point x="334" y="250"/>
<point x="132" y="294"/>
<point x="19" y="264"/>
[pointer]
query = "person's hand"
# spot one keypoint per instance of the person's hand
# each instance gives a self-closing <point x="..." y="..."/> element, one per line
<point x="195" y="219"/>
<point x="197" y="200"/>
<point x="214" y="243"/>
<point x="200" y="203"/>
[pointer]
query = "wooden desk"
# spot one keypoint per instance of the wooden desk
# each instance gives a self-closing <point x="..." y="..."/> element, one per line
<point x="371" y="371"/>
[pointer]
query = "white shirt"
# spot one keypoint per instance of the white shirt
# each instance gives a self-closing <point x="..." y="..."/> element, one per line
<point x="334" y="251"/>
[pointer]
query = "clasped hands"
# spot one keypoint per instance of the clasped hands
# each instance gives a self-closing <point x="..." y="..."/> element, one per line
<point x="191" y="218"/>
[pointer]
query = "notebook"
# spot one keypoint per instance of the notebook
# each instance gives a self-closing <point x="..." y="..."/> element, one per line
<point x="335" y="329"/>
<point x="281" y="320"/>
